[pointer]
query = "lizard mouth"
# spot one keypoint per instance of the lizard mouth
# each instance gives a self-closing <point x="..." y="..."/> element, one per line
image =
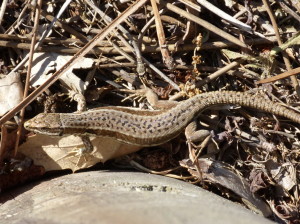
<point x="47" y="131"/>
<point x="44" y="131"/>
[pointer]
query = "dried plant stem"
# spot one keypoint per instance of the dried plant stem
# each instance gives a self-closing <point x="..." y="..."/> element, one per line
<point x="105" y="49"/>
<point x="167" y="59"/>
<point x="295" y="71"/>
<point x="65" y="27"/>
<point x="2" y="10"/>
<point x="225" y="16"/>
<point x="26" y="88"/>
<point x="289" y="10"/>
<point x="219" y="73"/>
<point x="134" y="48"/>
<point x="203" y="23"/>
<point x="44" y="35"/>
<point x="279" y="41"/>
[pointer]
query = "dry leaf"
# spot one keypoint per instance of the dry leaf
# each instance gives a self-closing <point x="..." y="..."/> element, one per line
<point x="57" y="153"/>
<point x="225" y="175"/>
<point x="284" y="174"/>
<point x="11" y="92"/>
<point x="45" y="64"/>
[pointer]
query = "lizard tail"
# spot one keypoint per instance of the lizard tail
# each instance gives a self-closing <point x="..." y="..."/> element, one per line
<point x="251" y="101"/>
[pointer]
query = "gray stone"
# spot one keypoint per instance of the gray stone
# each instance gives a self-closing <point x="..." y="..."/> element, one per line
<point x="119" y="197"/>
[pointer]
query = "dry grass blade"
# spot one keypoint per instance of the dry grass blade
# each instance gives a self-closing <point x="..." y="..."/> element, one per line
<point x="168" y="60"/>
<point x="285" y="55"/>
<point x="2" y="10"/>
<point x="224" y="15"/>
<point x="204" y="23"/>
<point x="33" y="42"/>
<point x="295" y="71"/>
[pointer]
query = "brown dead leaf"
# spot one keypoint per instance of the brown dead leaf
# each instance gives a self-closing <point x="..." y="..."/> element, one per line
<point x="226" y="176"/>
<point x="55" y="153"/>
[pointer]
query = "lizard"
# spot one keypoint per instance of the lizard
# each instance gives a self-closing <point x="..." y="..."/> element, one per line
<point x="145" y="127"/>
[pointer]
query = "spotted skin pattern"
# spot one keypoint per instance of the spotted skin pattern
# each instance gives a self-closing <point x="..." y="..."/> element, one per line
<point x="148" y="128"/>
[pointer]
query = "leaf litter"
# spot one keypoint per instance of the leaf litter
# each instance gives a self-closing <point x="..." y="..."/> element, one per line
<point x="179" y="50"/>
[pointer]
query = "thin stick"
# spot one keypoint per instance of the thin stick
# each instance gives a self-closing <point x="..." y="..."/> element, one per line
<point x="167" y="59"/>
<point x="219" y="73"/>
<point x="104" y="49"/>
<point x="2" y="10"/>
<point x="33" y="42"/>
<point x="225" y="16"/>
<point x="289" y="10"/>
<point x="284" y="54"/>
<point x="134" y="49"/>
<point x="295" y="71"/>
<point x="44" y="35"/>
<point x="203" y="23"/>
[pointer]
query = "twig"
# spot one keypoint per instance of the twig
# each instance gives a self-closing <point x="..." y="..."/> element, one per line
<point x="172" y="20"/>
<point x="167" y="59"/>
<point x="219" y="73"/>
<point x="135" y="49"/>
<point x="64" y="26"/>
<point x="44" y="35"/>
<point x="225" y="16"/>
<point x="258" y="19"/>
<point x="19" y="21"/>
<point x="27" y="82"/>
<point x="191" y="4"/>
<point x="120" y="50"/>
<point x="148" y="49"/>
<point x="289" y="10"/>
<point x="295" y="71"/>
<point x="284" y="54"/>
<point x="2" y="10"/>
<point x="289" y="43"/>
<point x="203" y="23"/>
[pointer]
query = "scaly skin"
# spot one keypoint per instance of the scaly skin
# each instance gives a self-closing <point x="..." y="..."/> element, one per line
<point x="147" y="128"/>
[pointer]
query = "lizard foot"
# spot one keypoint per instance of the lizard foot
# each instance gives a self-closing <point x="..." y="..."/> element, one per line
<point x="83" y="155"/>
<point x="138" y="95"/>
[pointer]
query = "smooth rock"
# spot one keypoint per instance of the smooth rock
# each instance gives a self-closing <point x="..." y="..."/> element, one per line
<point x="119" y="197"/>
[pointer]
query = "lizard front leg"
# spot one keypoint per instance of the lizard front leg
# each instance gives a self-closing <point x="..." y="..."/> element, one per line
<point x="83" y="153"/>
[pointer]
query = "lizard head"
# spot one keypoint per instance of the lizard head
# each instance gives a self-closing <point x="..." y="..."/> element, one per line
<point x="47" y="124"/>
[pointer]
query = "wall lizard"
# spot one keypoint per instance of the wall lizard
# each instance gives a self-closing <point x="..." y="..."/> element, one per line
<point x="144" y="127"/>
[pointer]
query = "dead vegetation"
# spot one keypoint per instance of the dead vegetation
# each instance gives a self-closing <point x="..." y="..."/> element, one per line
<point x="64" y="56"/>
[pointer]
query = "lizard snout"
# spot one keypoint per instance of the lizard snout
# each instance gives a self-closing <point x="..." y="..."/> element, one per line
<point x="43" y="123"/>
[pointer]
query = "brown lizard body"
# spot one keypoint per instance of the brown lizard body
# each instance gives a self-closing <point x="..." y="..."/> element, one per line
<point x="148" y="128"/>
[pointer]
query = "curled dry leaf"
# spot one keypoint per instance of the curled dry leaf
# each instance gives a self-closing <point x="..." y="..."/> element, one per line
<point x="284" y="174"/>
<point x="221" y="173"/>
<point x="60" y="153"/>
<point x="11" y="92"/>
<point x="45" y="64"/>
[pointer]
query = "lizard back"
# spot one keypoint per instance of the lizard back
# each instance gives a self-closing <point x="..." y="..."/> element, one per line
<point x="149" y="128"/>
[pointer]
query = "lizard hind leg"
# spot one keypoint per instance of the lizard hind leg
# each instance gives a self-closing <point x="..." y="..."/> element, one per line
<point x="192" y="135"/>
<point x="138" y="95"/>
